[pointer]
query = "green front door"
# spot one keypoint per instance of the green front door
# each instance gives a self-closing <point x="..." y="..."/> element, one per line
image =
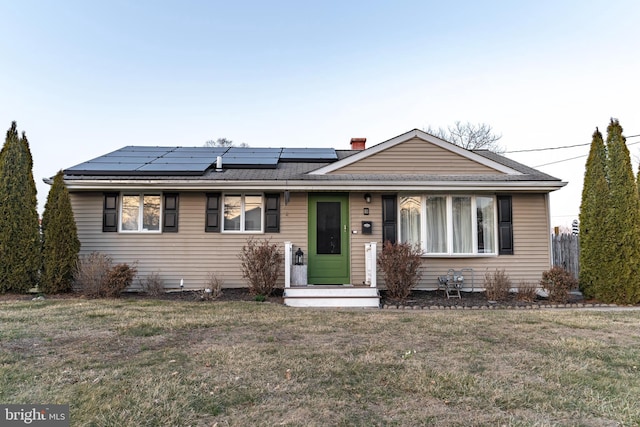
<point x="328" y="262"/>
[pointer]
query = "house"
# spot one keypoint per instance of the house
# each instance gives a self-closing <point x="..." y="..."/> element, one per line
<point x="185" y="213"/>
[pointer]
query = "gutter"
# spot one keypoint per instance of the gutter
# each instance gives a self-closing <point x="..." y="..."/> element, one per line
<point x="190" y="185"/>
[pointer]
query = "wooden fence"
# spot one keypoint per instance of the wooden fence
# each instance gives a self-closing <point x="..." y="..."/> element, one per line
<point x="565" y="249"/>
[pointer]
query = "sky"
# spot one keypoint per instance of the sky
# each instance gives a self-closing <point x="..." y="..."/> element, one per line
<point x="84" y="78"/>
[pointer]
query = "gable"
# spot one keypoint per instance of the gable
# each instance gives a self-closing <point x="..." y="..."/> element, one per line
<point x="452" y="156"/>
<point x="417" y="156"/>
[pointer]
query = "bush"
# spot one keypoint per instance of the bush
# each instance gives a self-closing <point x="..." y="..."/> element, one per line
<point x="119" y="277"/>
<point x="497" y="285"/>
<point x="527" y="292"/>
<point x="261" y="262"/>
<point x="214" y="285"/>
<point x="60" y="240"/>
<point x="152" y="284"/>
<point x="97" y="277"/>
<point x="558" y="282"/>
<point x="91" y="273"/>
<point x="400" y="263"/>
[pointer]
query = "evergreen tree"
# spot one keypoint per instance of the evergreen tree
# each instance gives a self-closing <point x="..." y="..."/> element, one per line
<point x="19" y="227"/>
<point x="60" y="239"/>
<point x="595" y="193"/>
<point x="621" y="247"/>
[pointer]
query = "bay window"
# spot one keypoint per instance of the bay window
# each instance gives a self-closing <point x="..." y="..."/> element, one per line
<point x="449" y="224"/>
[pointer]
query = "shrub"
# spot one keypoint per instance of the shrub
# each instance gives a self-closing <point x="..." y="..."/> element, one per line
<point x="60" y="240"/>
<point x="261" y="262"/>
<point x="400" y="263"/>
<point x="152" y="284"/>
<point x="497" y="285"/>
<point x="214" y="285"/>
<point x="558" y="282"/>
<point x="91" y="273"/>
<point x="97" y="277"/>
<point x="527" y="292"/>
<point x="119" y="277"/>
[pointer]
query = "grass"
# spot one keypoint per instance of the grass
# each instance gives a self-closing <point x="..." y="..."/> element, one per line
<point x="145" y="362"/>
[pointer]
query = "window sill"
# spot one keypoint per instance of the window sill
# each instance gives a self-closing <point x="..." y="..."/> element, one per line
<point x="494" y="255"/>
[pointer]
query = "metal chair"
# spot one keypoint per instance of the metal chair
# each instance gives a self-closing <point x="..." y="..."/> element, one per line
<point x="451" y="283"/>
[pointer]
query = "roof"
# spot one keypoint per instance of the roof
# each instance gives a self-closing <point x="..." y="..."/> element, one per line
<point x="303" y="169"/>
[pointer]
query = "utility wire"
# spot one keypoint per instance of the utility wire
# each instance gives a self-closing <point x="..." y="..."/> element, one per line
<point x="559" y="148"/>
<point x="578" y="157"/>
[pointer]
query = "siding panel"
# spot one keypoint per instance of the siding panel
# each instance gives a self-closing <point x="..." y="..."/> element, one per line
<point x="191" y="254"/>
<point x="531" y="256"/>
<point x="416" y="156"/>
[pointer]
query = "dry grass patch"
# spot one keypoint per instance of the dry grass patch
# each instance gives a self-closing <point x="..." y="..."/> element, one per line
<point x="241" y="363"/>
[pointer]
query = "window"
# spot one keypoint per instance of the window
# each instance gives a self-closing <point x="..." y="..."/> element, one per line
<point x="242" y="212"/>
<point x="449" y="225"/>
<point x="140" y="213"/>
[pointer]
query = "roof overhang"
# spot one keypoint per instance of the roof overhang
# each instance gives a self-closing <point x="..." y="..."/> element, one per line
<point x="305" y="185"/>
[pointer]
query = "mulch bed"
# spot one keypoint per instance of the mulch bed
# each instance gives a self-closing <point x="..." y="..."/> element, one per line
<point x="417" y="299"/>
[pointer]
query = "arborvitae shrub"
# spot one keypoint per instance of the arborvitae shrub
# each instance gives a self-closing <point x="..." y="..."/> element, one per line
<point x="400" y="263"/>
<point x="261" y="262"/>
<point x="558" y="282"/>
<point x="20" y="245"/>
<point x="60" y="240"/>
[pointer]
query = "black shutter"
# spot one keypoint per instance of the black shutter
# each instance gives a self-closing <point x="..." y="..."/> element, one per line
<point x="505" y="226"/>
<point x="272" y="213"/>
<point x="110" y="212"/>
<point x="170" y="213"/>
<point x="212" y="221"/>
<point x="389" y="219"/>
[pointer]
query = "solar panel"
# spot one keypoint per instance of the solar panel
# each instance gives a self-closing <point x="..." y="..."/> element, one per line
<point x="197" y="152"/>
<point x="308" y="154"/>
<point x="173" y="168"/>
<point x="255" y="158"/>
<point x="146" y="160"/>
<point x="103" y="168"/>
<point x="258" y="162"/>
<point x="123" y="159"/>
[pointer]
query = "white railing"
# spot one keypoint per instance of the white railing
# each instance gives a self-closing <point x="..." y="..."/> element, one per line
<point x="370" y="257"/>
<point x="288" y="249"/>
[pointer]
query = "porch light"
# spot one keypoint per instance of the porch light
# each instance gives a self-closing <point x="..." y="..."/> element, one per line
<point x="367" y="197"/>
<point x="299" y="257"/>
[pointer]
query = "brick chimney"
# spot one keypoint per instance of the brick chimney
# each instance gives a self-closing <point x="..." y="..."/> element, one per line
<point x="358" y="143"/>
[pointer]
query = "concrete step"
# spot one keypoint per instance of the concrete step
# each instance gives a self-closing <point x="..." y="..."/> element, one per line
<point x="331" y="296"/>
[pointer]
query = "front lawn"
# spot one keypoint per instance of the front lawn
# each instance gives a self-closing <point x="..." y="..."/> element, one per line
<point x="146" y="362"/>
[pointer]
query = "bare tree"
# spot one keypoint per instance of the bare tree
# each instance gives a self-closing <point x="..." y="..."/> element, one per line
<point x="469" y="135"/>
<point x="223" y="142"/>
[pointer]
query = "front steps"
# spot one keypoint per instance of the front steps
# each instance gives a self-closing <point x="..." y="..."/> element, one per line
<point x="332" y="296"/>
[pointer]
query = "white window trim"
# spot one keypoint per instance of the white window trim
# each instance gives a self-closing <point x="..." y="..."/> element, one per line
<point x="140" y="195"/>
<point x="474" y="226"/>
<point x="242" y="213"/>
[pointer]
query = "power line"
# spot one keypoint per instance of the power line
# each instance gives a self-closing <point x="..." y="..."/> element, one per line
<point x="559" y="148"/>
<point x="577" y="157"/>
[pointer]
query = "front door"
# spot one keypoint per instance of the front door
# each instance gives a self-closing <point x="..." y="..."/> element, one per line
<point x="328" y="262"/>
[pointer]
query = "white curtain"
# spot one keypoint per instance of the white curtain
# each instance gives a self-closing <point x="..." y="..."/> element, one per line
<point x="410" y="220"/>
<point x="436" y="224"/>
<point x="462" y="226"/>
<point x="486" y="225"/>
